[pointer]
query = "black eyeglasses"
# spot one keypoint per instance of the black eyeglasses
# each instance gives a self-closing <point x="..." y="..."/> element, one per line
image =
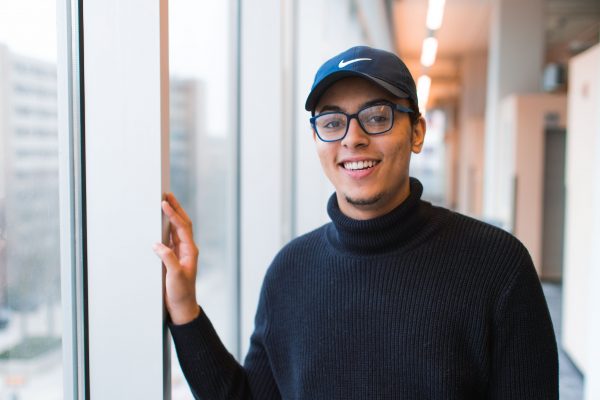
<point x="376" y="119"/>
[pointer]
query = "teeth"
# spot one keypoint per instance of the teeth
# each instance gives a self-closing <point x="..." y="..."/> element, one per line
<point x="359" y="164"/>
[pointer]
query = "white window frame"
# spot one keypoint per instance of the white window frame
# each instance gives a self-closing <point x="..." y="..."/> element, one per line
<point x="126" y="84"/>
<point x="71" y="203"/>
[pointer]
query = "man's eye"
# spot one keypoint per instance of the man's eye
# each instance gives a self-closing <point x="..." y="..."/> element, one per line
<point x="377" y="118"/>
<point x="332" y="124"/>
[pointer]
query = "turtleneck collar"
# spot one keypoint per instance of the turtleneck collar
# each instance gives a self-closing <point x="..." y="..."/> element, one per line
<point x="382" y="234"/>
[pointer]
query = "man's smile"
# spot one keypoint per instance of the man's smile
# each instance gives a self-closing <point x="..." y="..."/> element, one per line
<point x="358" y="165"/>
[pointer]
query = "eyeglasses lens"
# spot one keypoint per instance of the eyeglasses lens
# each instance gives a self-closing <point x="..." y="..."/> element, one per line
<point x="331" y="126"/>
<point x="376" y="119"/>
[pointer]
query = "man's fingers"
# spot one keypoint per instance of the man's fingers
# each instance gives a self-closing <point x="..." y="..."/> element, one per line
<point x="182" y="228"/>
<point x="167" y="256"/>
<point x="172" y="214"/>
<point x="175" y="239"/>
<point x="177" y="207"/>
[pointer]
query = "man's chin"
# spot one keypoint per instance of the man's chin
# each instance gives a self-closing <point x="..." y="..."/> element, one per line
<point x="363" y="201"/>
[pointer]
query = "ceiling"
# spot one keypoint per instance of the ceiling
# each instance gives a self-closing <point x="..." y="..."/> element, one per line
<point x="571" y="27"/>
<point x="465" y="27"/>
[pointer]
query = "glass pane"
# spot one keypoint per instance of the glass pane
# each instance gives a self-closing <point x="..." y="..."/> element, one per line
<point x="30" y="310"/>
<point x="202" y="154"/>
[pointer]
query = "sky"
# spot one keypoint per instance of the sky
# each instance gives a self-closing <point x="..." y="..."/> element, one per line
<point x="28" y="27"/>
<point x="200" y="47"/>
<point x="200" y="44"/>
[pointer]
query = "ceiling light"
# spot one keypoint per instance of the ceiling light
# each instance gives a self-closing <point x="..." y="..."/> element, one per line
<point x="423" y="86"/>
<point x="435" y="14"/>
<point x="430" y="46"/>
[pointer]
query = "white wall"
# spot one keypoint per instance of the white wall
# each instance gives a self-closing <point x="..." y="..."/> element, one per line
<point x="581" y="260"/>
<point x="592" y="378"/>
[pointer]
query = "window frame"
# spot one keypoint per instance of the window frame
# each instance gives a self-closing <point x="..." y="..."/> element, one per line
<point x="126" y="153"/>
<point x="71" y="201"/>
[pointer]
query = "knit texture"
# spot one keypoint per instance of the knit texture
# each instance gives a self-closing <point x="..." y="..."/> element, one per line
<point x="421" y="303"/>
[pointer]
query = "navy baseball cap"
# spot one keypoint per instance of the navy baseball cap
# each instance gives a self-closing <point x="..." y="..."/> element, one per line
<point x="381" y="67"/>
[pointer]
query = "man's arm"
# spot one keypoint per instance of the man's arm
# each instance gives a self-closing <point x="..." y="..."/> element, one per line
<point x="210" y="369"/>
<point x="524" y="352"/>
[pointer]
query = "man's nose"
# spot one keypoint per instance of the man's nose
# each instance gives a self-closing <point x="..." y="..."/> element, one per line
<point x="356" y="136"/>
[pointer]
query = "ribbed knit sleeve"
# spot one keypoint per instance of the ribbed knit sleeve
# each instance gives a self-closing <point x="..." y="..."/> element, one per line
<point x="524" y="352"/>
<point x="213" y="373"/>
<point x="210" y="370"/>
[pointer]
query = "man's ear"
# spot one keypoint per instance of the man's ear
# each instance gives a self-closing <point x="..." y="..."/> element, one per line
<point x="418" y="135"/>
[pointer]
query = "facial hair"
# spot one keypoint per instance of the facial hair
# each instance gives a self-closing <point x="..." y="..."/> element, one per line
<point x="364" y="202"/>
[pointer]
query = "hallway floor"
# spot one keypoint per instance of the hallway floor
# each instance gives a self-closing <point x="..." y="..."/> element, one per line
<point x="570" y="380"/>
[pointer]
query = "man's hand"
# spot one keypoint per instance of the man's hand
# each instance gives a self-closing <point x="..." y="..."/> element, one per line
<point x="180" y="259"/>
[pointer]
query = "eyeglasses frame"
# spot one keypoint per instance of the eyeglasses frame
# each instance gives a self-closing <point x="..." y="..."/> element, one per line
<point x="349" y="117"/>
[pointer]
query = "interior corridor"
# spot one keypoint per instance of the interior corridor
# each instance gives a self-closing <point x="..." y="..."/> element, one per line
<point x="570" y="379"/>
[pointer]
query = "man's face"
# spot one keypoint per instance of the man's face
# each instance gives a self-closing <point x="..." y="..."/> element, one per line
<point x="373" y="190"/>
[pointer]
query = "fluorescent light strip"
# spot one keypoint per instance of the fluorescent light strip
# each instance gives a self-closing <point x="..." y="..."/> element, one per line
<point x="430" y="46"/>
<point x="435" y="14"/>
<point x="423" y="86"/>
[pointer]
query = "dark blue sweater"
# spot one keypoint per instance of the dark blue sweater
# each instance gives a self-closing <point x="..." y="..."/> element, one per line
<point x="421" y="303"/>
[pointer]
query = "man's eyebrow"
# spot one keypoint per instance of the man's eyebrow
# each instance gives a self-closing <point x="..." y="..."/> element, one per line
<point x="331" y="107"/>
<point x="375" y="102"/>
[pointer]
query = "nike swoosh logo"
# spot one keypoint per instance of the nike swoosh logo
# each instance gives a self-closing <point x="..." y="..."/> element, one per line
<point x="343" y="64"/>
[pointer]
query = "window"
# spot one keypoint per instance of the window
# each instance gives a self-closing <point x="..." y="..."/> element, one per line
<point x="202" y="152"/>
<point x="30" y="287"/>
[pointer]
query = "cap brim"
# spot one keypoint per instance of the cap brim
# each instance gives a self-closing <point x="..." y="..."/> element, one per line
<point x="317" y="92"/>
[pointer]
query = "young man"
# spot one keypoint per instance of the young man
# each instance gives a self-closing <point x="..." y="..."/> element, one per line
<point x="395" y="298"/>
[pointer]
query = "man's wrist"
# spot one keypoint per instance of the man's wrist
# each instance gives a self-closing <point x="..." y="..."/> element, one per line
<point x="185" y="315"/>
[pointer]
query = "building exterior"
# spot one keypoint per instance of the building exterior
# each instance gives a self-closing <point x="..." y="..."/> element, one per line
<point x="201" y="174"/>
<point x="30" y="265"/>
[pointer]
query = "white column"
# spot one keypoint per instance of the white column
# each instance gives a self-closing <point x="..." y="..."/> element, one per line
<point x="581" y="275"/>
<point x="516" y="51"/>
<point x="592" y="376"/>
<point x="127" y="170"/>
<point x="262" y="148"/>
<point x="473" y="69"/>
<point x="580" y="278"/>
<point x="373" y="15"/>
